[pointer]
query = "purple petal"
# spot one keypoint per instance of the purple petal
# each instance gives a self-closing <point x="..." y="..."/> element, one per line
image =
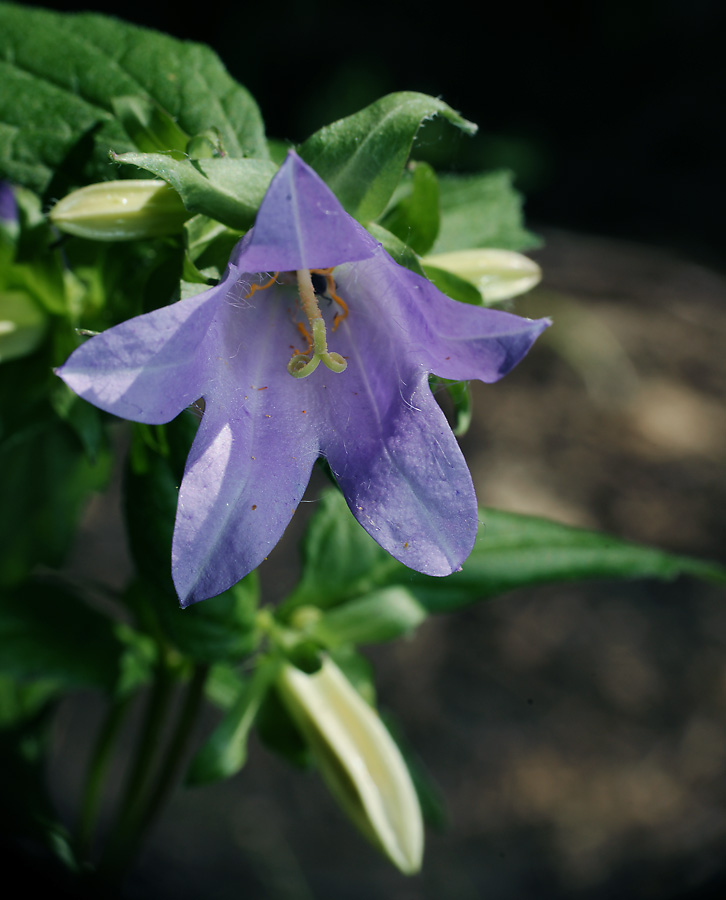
<point x="251" y="459"/>
<point x="301" y="225"/>
<point x="150" y="368"/>
<point x="392" y="450"/>
<point x="451" y="339"/>
<point x="8" y="203"/>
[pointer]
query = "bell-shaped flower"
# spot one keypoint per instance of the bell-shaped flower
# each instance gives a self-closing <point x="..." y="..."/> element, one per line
<point x="315" y="343"/>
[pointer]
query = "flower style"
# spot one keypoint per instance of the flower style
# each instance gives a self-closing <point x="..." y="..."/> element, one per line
<point x="307" y="285"/>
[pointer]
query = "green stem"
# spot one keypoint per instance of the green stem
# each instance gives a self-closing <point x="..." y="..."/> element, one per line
<point x="148" y="742"/>
<point x="97" y="771"/>
<point x="141" y="807"/>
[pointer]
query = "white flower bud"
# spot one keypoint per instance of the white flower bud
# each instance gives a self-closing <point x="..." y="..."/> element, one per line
<point x="358" y="760"/>
<point x="497" y="274"/>
<point x="121" y="211"/>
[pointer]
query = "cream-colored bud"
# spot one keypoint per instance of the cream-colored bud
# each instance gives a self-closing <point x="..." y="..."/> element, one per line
<point x="497" y="274"/>
<point x="121" y="211"/>
<point x="358" y="760"/>
<point x="22" y="324"/>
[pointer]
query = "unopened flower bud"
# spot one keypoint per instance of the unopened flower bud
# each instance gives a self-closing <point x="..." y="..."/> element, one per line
<point x="497" y="274"/>
<point x="121" y="211"/>
<point x="358" y="760"/>
<point x="22" y="324"/>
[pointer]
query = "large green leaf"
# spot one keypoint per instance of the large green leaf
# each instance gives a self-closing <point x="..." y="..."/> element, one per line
<point x="362" y="156"/>
<point x="341" y="561"/>
<point x="61" y="73"/>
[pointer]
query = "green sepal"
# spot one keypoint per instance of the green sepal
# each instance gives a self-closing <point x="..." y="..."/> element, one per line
<point x="361" y="157"/>
<point x="453" y="286"/>
<point x="394" y="246"/>
<point x="224" y="752"/>
<point x="414" y="216"/>
<point x="382" y="615"/>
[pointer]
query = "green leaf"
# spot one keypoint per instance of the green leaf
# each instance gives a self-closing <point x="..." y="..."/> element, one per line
<point x="46" y="480"/>
<point x="342" y="562"/>
<point x="228" y="190"/>
<point x="481" y="211"/>
<point x="61" y="74"/>
<point x="514" y="551"/>
<point x="362" y="156"/>
<point x="47" y="632"/>
<point x="415" y="217"/>
<point x="224" y="753"/>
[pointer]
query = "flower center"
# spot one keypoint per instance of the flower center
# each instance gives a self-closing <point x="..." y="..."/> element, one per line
<point x="311" y="282"/>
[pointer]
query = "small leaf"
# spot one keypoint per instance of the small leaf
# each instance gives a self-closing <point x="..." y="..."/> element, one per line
<point x="362" y="156"/>
<point x="228" y="190"/>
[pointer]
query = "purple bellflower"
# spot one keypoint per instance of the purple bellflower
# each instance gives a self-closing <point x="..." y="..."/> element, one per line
<point x="315" y="343"/>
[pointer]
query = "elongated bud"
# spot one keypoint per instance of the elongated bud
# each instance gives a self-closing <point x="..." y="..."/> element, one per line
<point x="121" y="211"/>
<point x="497" y="274"/>
<point x="358" y="760"/>
<point x="22" y="324"/>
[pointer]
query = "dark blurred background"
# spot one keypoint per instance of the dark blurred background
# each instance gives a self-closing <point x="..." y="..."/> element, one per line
<point x="577" y="733"/>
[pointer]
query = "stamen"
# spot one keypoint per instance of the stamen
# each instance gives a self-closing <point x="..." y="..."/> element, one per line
<point x="303" y="364"/>
<point x="262" y="287"/>
<point x="330" y="283"/>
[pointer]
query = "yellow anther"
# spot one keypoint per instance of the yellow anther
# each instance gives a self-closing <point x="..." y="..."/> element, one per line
<point x="262" y="287"/>
<point x="330" y="287"/>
